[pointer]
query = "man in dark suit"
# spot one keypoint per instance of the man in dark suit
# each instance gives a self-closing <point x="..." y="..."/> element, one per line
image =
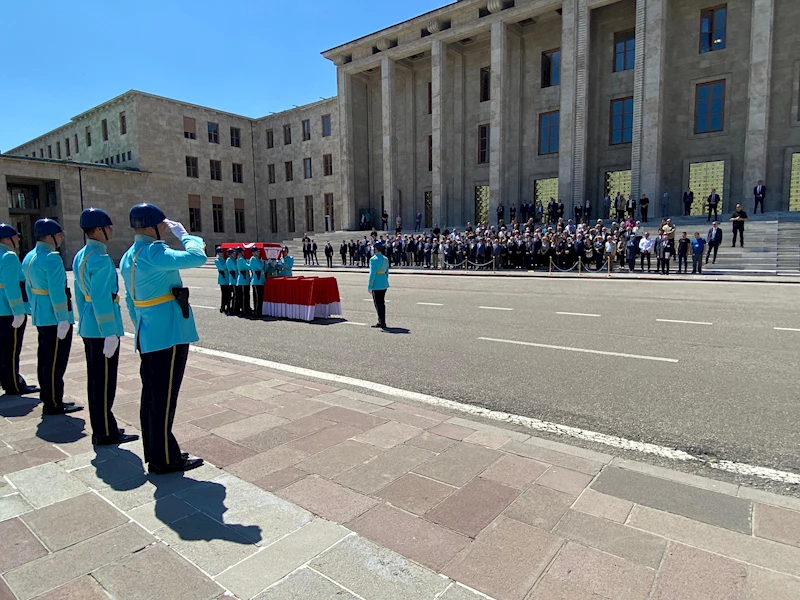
<point x="314" y="253"/>
<point x="351" y="248"/>
<point x="759" y="193"/>
<point x="559" y="210"/>
<point x="551" y="211"/>
<point x="343" y="252"/>
<point x="688" y="199"/>
<point x="329" y="255"/>
<point x="714" y="240"/>
<point x="713" y="204"/>
<point x="501" y="212"/>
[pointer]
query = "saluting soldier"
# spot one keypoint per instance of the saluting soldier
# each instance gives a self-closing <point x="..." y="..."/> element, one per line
<point x="159" y="307"/>
<point x="256" y="266"/>
<point x="100" y="325"/>
<point x="243" y="281"/>
<point x="234" y="307"/>
<point x="51" y="309"/>
<point x="379" y="283"/>
<point x="14" y="309"/>
<point x="285" y="264"/>
<point x="222" y="279"/>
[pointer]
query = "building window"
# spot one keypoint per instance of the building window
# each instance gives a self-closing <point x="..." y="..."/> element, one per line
<point x="195" y="219"/>
<point x="236" y="135"/>
<point x="290" y="226"/>
<point x="271" y="173"/>
<point x="709" y="108"/>
<point x="237" y="173"/>
<point x="548" y="133"/>
<point x="430" y="153"/>
<point x="327" y="164"/>
<point x="624" y="50"/>
<point x="189" y="128"/>
<point x="238" y="214"/>
<point x="287" y="135"/>
<point x="104" y="128"/>
<point x="273" y="215"/>
<point x="218" y="214"/>
<point x="309" y="213"/>
<point x="69" y="150"/>
<point x="486" y="84"/>
<point x="41" y="152"/>
<point x="329" y="211"/>
<point x="123" y="157"/>
<point x="621" y="121"/>
<point x="326" y="126"/>
<point x="58" y="150"/>
<point x="77" y="148"/>
<point x="49" y="151"/>
<point x="123" y="123"/>
<point x="430" y="97"/>
<point x="216" y="169"/>
<point x="483" y="144"/>
<point x="118" y="161"/>
<point x="289" y="171"/>
<point x="270" y="139"/>
<point x="129" y="154"/>
<point x="306" y="130"/>
<point x="88" y="137"/>
<point x="213" y="133"/>
<point x="551" y="68"/>
<point x="713" y="23"/>
<point x="306" y="168"/>
<point x="191" y="167"/>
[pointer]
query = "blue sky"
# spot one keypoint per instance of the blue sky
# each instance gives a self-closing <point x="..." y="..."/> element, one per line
<point x="248" y="57"/>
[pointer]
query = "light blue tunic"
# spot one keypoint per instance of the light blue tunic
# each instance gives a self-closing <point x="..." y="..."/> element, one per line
<point x="11" y="274"/>
<point x="256" y="266"/>
<point x="285" y="266"/>
<point x="230" y="262"/>
<point x="97" y="292"/>
<point x="46" y="283"/>
<point x="378" y="273"/>
<point x="222" y="270"/>
<point x="242" y="275"/>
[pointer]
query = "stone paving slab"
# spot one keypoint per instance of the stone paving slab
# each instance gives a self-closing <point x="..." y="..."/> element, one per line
<point x="20" y="546"/>
<point x="306" y="584"/>
<point x="46" y="484"/>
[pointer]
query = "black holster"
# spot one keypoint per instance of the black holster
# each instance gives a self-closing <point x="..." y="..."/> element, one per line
<point x="24" y="291"/>
<point x="68" y="293"/>
<point x="182" y="296"/>
<point x="223" y="273"/>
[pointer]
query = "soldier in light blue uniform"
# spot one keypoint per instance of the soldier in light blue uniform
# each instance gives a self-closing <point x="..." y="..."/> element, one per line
<point x="256" y="266"/>
<point x="243" y="282"/>
<point x="100" y="325"/>
<point x="379" y="283"/>
<point x="230" y="264"/>
<point x="285" y="264"/>
<point x="223" y="280"/>
<point x="159" y="307"/>
<point x="51" y="312"/>
<point x="14" y="309"/>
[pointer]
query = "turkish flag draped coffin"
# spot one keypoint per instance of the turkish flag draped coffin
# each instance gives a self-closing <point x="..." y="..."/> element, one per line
<point x="302" y="298"/>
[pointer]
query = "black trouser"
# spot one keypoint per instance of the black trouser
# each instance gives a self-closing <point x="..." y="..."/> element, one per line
<point x="665" y="266"/>
<point x="379" y="299"/>
<point x="645" y="255"/>
<point x="644" y="210"/>
<point x="687" y="210"/>
<point x="101" y="389"/>
<point x="352" y="259"/>
<point x="683" y="260"/>
<point x="631" y="263"/>
<point x="162" y="373"/>
<point x="10" y="348"/>
<point x="329" y="260"/>
<point x="712" y="208"/>
<point x="697" y="263"/>
<point x="740" y="231"/>
<point x="52" y="358"/>
<point x="755" y="207"/>
<point x="712" y="248"/>
<point x="245" y="293"/>
<point x="258" y="300"/>
<point x="238" y="301"/>
<point x="316" y="260"/>
<point x="344" y="260"/>
<point x="227" y="294"/>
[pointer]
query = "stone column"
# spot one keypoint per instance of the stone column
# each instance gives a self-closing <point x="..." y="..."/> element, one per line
<point x="648" y="96"/>
<point x="438" y="66"/>
<point x="572" y="116"/>
<point x="497" y="123"/>
<point x="346" y="165"/>
<point x="755" y="146"/>
<point x="387" y="119"/>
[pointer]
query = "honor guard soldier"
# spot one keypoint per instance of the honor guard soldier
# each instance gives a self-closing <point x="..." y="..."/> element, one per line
<point x="243" y="282"/>
<point x="222" y="279"/>
<point x="14" y="309"/>
<point x="51" y="310"/>
<point x="159" y="307"/>
<point x="379" y="283"/>
<point x="286" y="264"/>
<point x="100" y="324"/>
<point x="230" y="264"/>
<point x="256" y="266"/>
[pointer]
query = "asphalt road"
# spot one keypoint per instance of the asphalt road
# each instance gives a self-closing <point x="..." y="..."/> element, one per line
<point x="728" y="387"/>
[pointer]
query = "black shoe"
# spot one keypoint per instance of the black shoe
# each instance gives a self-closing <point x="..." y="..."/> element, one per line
<point x="186" y="464"/>
<point x="376" y="326"/>
<point x="30" y="389"/>
<point x="122" y="438"/>
<point x="65" y="408"/>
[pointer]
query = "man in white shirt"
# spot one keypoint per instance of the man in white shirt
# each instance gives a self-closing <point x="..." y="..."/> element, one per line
<point x="645" y="249"/>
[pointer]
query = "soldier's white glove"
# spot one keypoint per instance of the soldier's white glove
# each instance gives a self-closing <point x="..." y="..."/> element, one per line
<point x="18" y="321"/>
<point x="63" y="329"/>
<point x="176" y="228"/>
<point x="110" y="346"/>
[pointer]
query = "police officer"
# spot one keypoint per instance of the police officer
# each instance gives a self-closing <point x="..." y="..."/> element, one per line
<point x="159" y="308"/>
<point x="230" y="264"/>
<point x="14" y="309"/>
<point x="256" y="266"/>
<point x="222" y="280"/>
<point x="379" y="283"/>
<point x="100" y="324"/>
<point x="51" y="309"/>
<point x="243" y="282"/>
<point x="286" y="264"/>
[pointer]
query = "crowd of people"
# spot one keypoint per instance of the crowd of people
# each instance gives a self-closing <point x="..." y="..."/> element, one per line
<point x="238" y="276"/>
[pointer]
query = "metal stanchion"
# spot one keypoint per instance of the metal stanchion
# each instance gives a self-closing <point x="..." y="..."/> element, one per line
<point x="580" y="260"/>
<point x="550" y="270"/>
<point x="609" y="267"/>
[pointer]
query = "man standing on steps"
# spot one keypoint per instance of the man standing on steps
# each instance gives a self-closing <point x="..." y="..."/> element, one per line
<point x="688" y="199"/>
<point x="759" y="193"/>
<point x="315" y="260"/>
<point x="14" y="311"/>
<point x="329" y="255"/>
<point x="379" y="283"/>
<point x="164" y="324"/>
<point x="343" y="253"/>
<point x="714" y="240"/>
<point x="100" y="325"/>
<point x="713" y="204"/>
<point x="737" y="220"/>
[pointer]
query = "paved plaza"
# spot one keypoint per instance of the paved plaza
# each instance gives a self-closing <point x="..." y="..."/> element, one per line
<point x="313" y="491"/>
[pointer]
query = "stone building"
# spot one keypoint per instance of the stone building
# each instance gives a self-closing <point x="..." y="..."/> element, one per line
<point x="454" y="111"/>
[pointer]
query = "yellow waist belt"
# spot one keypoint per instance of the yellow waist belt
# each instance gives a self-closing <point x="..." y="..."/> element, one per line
<point x="154" y="301"/>
<point x="40" y="292"/>
<point x="115" y="298"/>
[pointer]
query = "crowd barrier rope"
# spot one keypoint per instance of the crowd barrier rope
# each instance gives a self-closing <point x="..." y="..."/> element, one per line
<point x="606" y="268"/>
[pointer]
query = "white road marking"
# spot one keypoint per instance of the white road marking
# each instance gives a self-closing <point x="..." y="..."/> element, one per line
<point x="529" y="422"/>
<point x="429" y="304"/>
<point x="354" y="323"/>
<point x="582" y="350"/>
<point x="577" y="314"/>
<point x="684" y="322"/>
<point x="785" y="329"/>
<point x="201" y="306"/>
<point x="494" y="308"/>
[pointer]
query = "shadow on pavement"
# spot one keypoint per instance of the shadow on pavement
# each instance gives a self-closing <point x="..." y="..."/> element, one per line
<point x="60" y="429"/>
<point x="327" y="321"/>
<point x="17" y="406"/>
<point x="397" y="330"/>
